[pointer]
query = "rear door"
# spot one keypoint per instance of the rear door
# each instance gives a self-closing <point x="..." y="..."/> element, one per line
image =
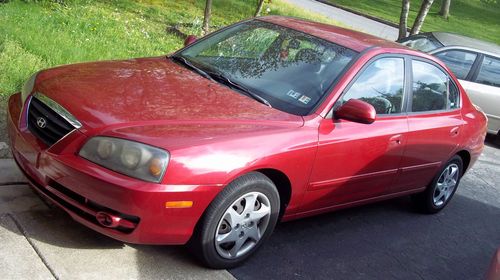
<point x="434" y="122"/>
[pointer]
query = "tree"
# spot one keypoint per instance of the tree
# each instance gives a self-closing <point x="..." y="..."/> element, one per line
<point x="445" y="9"/>
<point x="419" y="21"/>
<point x="206" y="19"/>
<point x="259" y="8"/>
<point x="403" y="20"/>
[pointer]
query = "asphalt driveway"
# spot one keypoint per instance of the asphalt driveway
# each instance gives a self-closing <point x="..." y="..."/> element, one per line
<point x="389" y="240"/>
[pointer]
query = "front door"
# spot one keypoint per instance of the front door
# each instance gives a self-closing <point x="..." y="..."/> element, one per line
<point x="358" y="161"/>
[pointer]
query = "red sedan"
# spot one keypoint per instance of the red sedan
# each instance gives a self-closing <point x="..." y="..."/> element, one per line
<point x="271" y="118"/>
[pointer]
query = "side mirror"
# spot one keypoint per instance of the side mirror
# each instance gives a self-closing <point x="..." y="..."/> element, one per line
<point x="189" y="40"/>
<point x="357" y="111"/>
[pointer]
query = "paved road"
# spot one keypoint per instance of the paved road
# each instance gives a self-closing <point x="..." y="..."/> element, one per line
<point x="389" y="240"/>
<point x="349" y="19"/>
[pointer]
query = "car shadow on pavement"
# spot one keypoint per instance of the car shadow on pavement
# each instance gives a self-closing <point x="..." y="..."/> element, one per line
<point x="57" y="228"/>
<point x="492" y="141"/>
<point x="387" y="240"/>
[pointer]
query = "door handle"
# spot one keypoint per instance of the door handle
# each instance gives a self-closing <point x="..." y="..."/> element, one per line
<point x="454" y="131"/>
<point x="396" y="139"/>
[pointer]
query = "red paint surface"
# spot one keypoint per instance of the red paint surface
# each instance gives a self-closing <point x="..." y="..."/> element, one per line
<point x="215" y="135"/>
<point x="494" y="270"/>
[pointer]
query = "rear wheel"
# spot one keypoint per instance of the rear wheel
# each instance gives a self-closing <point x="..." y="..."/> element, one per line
<point x="442" y="188"/>
<point x="237" y="222"/>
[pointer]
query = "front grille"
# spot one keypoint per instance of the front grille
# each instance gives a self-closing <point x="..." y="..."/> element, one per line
<point x="45" y="123"/>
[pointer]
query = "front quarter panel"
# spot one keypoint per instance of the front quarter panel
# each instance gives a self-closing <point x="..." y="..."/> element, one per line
<point x="216" y="153"/>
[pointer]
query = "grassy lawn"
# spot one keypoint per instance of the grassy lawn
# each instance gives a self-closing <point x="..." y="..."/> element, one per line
<point x="41" y="34"/>
<point x="474" y="18"/>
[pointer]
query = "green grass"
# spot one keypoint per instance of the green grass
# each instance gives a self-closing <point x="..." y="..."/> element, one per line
<point x="41" y="34"/>
<point x="475" y="18"/>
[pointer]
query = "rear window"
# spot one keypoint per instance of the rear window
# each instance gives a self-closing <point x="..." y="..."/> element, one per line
<point x="490" y="72"/>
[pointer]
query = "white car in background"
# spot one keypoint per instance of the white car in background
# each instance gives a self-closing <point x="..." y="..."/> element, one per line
<point x="475" y="63"/>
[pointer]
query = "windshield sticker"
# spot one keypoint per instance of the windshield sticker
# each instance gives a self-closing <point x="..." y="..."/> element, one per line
<point x="305" y="99"/>
<point x="293" y="94"/>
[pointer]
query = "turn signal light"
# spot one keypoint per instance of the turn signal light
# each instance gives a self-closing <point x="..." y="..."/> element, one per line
<point x="156" y="167"/>
<point x="178" y="204"/>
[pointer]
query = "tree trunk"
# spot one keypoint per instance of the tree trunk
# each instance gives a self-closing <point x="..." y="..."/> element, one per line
<point x="206" y="19"/>
<point x="419" y="21"/>
<point x="259" y="8"/>
<point x="403" y="20"/>
<point x="445" y="9"/>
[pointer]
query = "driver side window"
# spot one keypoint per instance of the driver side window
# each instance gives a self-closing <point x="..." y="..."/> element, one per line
<point x="381" y="84"/>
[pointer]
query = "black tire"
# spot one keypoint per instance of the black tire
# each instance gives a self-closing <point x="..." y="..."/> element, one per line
<point x="203" y="241"/>
<point x="425" y="201"/>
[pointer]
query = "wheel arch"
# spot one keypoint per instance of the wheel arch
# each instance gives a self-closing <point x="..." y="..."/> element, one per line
<point x="466" y="159"/>
<point x="279" y="179"/>
<point x="282" y="183"/>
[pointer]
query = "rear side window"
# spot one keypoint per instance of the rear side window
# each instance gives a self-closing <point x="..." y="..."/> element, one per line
<point x="381" y="85"/>
<point x="460" y="62"/>
<point x="430" y="87"/>
<point x="490" y="72"/>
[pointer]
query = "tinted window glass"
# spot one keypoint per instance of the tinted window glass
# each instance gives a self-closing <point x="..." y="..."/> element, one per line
<point x="430" y="87"/>
<point x="290" y="69"/>
<point x="381" y="85"/>
<point x="490" y="72"/>
<point x="460" y="62"/>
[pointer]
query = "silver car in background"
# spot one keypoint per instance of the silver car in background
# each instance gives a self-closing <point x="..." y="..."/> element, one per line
<point x="475" y="63"/>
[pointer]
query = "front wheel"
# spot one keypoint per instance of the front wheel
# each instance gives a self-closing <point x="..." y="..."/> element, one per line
<point x="237" y="222"/>
<point x="442" y="188"/>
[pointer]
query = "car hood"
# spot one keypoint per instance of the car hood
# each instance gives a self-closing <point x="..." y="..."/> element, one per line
<point x="149" y="91"/>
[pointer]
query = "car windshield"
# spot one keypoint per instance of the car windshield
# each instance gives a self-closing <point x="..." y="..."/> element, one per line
<point x="281" y="67"/>
<point x="422" y="43"/>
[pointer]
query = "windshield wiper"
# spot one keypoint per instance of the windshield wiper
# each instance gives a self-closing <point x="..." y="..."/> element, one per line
<point x="221" y="78"/>
<point x="187" y="63"/>
<point x="227" y="81"/>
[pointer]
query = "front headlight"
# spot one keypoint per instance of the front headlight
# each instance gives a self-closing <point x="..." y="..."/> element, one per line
<point x="127" y="157"/>
<point x="28" y="87"/>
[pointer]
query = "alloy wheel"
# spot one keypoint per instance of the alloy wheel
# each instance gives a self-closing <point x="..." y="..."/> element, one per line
<point x="446" y="184"/>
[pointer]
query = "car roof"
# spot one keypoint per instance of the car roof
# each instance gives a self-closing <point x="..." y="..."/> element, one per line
<point x="452" y="39"/>
<point x="355" y="40"/>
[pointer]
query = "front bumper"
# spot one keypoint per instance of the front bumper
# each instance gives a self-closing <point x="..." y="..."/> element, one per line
<point x="83" y="189"/>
